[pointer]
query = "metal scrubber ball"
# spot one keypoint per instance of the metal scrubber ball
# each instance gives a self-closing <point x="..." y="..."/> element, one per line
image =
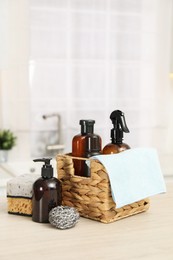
<point x="63" y="217"/>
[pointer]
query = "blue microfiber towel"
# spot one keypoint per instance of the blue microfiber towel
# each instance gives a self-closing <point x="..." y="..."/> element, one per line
<point x="134" y="174"/>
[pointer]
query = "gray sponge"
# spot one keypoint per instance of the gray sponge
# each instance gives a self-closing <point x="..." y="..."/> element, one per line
<point x="63" y="217"/>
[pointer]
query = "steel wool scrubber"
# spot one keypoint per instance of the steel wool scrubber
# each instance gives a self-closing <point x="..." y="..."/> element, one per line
<point x="63" y="217"/>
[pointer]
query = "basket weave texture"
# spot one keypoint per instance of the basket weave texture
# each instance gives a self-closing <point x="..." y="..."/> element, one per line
<point x="91" y="196"/>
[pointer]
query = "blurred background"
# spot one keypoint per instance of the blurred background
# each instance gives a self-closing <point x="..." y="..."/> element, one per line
<point x="66" y="60"/>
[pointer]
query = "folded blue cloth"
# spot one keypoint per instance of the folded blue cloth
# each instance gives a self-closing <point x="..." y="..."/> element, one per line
<point x="134" y="174"/>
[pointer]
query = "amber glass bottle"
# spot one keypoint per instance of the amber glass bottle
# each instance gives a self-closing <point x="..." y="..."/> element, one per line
<point x="119" y="123"/>
<point x="79" y="145"/>
<point x="115" y="148"/>
<point x="46" y="193"/>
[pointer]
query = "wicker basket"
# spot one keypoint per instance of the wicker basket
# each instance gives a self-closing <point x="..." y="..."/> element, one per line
<point x="91" y="196"/>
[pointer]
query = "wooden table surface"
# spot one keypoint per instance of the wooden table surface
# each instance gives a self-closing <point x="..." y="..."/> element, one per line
<point x="144" y="236"/>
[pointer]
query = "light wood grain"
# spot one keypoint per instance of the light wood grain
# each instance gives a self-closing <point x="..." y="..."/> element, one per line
<point x="144" y="236"/>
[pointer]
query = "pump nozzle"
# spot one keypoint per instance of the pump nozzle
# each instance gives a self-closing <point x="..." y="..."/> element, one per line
<point x="120" y="126"/>
<point x="47" y="170"/>
<point x="45" y="160"/>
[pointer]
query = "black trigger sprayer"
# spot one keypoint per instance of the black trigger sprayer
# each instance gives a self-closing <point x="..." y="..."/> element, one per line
<point x="117" y="132"/>
<point x="120" y="126"/>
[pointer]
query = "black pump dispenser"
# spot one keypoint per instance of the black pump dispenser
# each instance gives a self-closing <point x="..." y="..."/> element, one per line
<point x="120" y="126"/>
<point x="46" y="193"/>
<point x="47" y="169"/>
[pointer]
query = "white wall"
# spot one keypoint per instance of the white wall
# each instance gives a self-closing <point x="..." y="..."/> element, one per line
<point x="84" y="59"/>
<point x="91" y="57"/>
<point x="14" y="87"/>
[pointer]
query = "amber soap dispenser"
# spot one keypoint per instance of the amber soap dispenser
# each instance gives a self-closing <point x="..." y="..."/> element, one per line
<point x="119" y="128"/>
<point x="46" y="193"/>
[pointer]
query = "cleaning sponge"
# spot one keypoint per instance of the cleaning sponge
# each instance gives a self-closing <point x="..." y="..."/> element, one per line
<point x="19" y="194"/>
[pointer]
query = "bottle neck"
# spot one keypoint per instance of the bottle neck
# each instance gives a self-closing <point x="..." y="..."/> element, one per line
<point x="87" y="126"/>
<point x="47" y="172"/>
<point x="116" y="136"/>
<point x="87" y="129"/>
<point x="115" y="141"/>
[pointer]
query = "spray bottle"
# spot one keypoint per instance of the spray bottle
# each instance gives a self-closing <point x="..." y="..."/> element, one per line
<point x="119" y="127"/>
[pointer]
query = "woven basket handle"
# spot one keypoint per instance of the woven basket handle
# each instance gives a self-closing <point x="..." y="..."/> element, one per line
<point x="69" y="168"/>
